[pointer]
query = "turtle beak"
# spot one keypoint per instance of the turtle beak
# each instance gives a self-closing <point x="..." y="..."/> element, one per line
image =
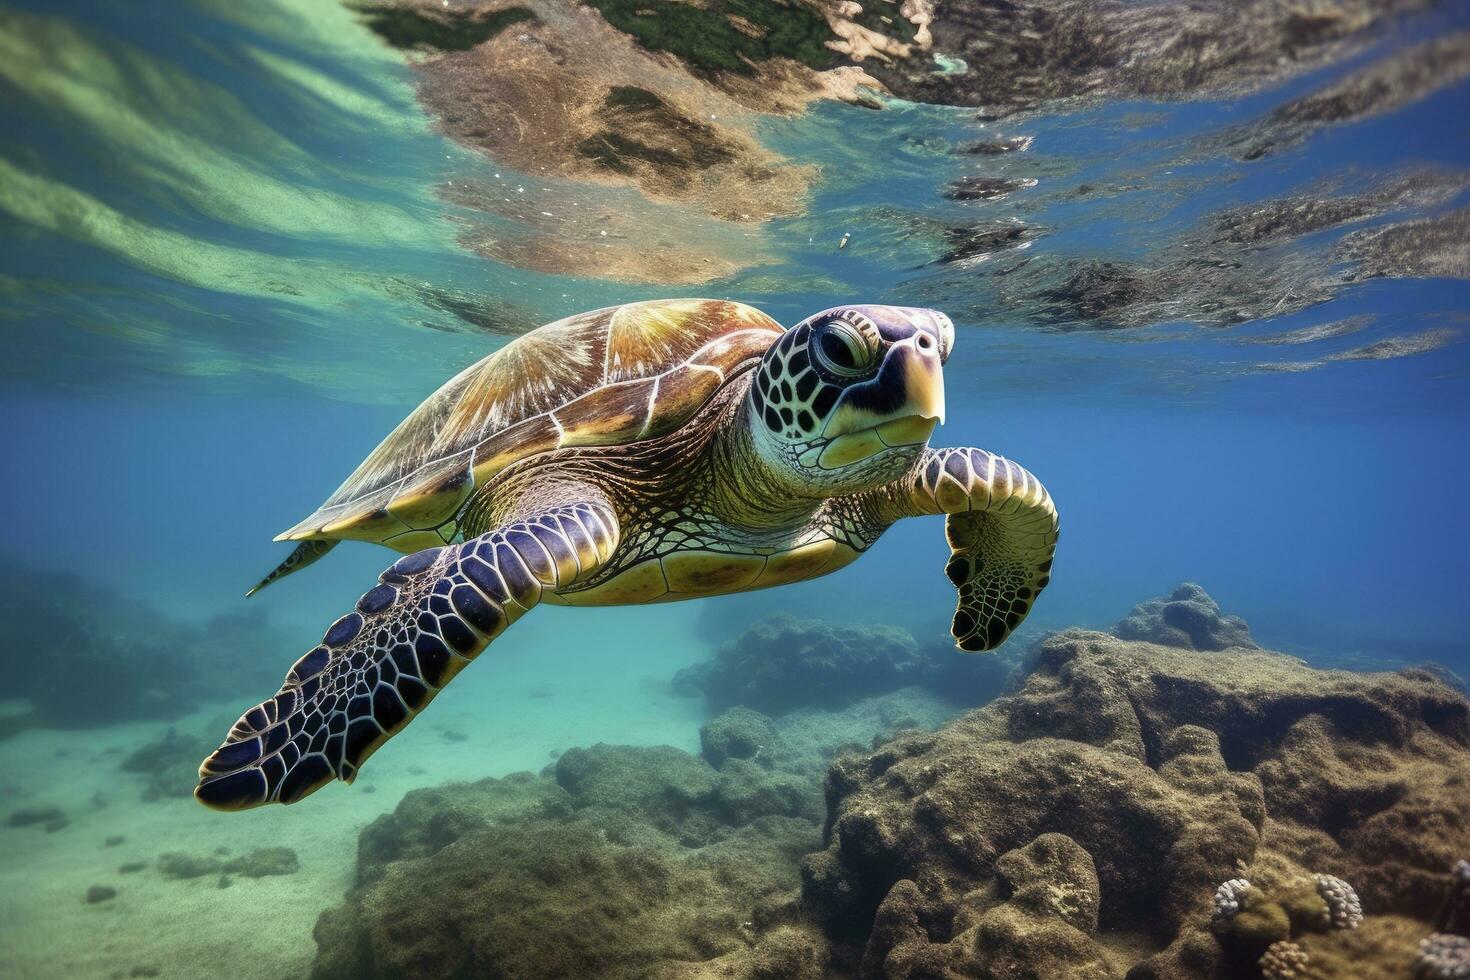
<point x="924" y="382"/>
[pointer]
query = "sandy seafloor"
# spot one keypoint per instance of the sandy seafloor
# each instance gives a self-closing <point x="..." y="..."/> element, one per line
<point x="534" y="694"/>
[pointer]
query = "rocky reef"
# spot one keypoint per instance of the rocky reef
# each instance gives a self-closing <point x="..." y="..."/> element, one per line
<point x="1171" y="771"/>
<point x="783" y="663"/>
<point x="1187" y="618"/>
<point x="612" y="862"/>
<point x="1196" y="809"/>
<point x="83" y="656"/>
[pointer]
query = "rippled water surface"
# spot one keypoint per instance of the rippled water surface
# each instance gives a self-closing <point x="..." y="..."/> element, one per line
<point x="241" y="241"/>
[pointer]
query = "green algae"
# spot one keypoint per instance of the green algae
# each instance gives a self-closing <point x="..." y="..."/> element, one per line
<point x="447" y="30"/>
<point x="725" y="35"/>
<point x="686" y="144"/>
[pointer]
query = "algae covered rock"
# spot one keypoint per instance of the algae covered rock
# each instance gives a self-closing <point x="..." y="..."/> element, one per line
<point x="264" y="862"/>
<point x="530" y="901"/>
<point x="427" y="820"/>
<point x="83" y="655"/>
<point x="781" y="664"/>
<point x="617" y="861"/>
<point x="1187" y="618"/>
<point x="738" y="733"/>
<point x="784" y="663"/>
<point x="170" y="765"/>
<point x="1081" y="826"/>
<point x="1171" y="770"/>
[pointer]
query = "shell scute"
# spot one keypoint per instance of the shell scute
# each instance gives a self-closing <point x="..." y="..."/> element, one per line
<point x="614" y="413"/>
<point x="602" y="378"/>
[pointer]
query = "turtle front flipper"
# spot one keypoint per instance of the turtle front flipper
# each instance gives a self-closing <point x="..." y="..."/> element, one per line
<point x="377" y="667"/>
<point x="1002" y="530"/>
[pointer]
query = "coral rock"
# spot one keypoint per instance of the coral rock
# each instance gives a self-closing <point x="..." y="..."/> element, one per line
<point x="781" y="664"/>
<point x="737" y="734"/>
<point x="617" y="862"/>
<point x="1174" y="770"/>
<point x="1188" y="618"/>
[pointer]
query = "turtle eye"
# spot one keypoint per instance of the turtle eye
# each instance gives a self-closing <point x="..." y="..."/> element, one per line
<point x="843" y="349"/>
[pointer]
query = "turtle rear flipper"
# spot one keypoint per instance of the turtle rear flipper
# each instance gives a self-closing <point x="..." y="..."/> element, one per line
<point x="377" y="667"/>
<point x="302" y="555"/>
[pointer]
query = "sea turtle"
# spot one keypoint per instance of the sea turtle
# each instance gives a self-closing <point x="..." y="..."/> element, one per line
<point x="643" y="453"/>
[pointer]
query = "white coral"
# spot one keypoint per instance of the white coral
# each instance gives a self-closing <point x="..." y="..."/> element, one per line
<point x="1227" y="899"/>
<point x="1347" y="911"/>
<point x="1443" y="957"/>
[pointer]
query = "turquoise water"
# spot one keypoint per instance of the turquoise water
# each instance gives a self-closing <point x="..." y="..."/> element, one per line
<point x="234" y="258"/>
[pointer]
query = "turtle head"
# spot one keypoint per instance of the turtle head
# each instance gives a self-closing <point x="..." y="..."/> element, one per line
<point x="847" y="399"/>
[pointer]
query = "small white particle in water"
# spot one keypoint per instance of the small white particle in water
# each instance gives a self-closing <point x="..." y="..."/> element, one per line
<point x="603" y="233"/>
<point x="548" y="214"/>
<point x="520" y="190"/>
<point x="497" y="176"/>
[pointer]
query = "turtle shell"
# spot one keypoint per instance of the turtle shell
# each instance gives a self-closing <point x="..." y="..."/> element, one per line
<point x="605" y="378"/>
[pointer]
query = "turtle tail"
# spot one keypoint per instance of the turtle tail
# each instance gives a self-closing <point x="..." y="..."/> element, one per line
<point x="304" y="554"/>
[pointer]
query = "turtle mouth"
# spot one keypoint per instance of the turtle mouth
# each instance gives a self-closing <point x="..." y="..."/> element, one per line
<point x="907" y="430"/>
<point x="904" y="432"/>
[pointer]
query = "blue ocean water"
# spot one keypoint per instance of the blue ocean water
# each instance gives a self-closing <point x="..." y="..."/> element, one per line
<point x="228" y="247"/>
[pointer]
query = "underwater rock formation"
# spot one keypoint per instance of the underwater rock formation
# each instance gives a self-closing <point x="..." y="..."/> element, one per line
<point x="1443" y="957"/>
<point x="169" y="765"/>
<point x="110" y="658"/>
<point x="100" y="893"/>
<point x="50" y="817"/>
<point x="1454" y="914"/>
<point x="739" y="733"/>
<point x="1187" y="618"/>
<point x="612" y="862"/>
<point x="783" y="663"/>
<point x="615" y="861"/>
<point x="1081" y="826"/>
<point x="1172" y="770"/>
<point x="262" y="862"/>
